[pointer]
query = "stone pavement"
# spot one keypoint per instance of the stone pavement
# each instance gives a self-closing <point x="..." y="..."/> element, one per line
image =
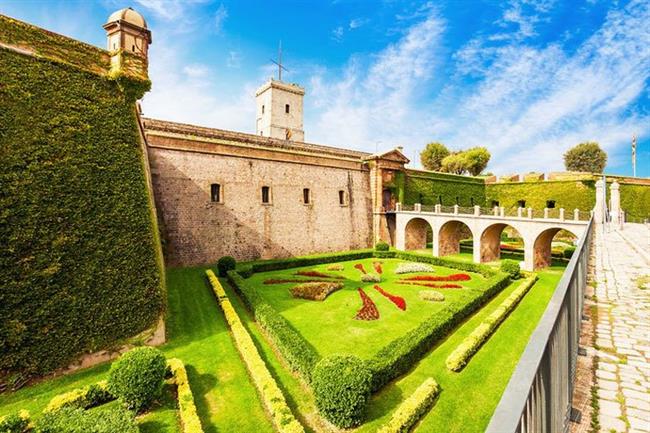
<point x="622" y="340"/>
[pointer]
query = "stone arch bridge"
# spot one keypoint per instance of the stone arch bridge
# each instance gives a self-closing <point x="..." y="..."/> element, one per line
<point x="450" y="225"/>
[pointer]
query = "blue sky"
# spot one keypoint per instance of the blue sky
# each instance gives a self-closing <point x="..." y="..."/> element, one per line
<point x="526" y="78"/>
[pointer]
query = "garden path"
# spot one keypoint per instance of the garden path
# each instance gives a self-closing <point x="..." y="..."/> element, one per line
<point x="623" y="328"/>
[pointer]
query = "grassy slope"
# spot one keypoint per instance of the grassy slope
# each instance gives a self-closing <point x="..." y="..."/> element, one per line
<point x="336" y="313"/>
<point x="227" y="401"/>
<point x="199" y="336"/>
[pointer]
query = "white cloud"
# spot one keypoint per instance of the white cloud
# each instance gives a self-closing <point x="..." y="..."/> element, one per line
<point x="234" y="59"/>
<point x="337" y="33"/>
<point x="219" y="17"/>
<point x="358" y="22"/>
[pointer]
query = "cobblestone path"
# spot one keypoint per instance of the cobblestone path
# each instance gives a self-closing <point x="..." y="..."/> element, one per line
<point x="623" y="328"/>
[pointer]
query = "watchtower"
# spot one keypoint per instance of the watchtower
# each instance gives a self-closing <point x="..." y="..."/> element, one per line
<point x="127" y="30"/>
<point x="279" y="110"/>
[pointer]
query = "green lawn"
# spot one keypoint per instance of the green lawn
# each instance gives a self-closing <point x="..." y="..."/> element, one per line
<point x="330" y="325"/>
<point x="227" y="401"/>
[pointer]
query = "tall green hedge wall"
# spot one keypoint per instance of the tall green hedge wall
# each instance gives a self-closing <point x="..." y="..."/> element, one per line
<point x="79" y="264"/>
<point x="446" y="189"/>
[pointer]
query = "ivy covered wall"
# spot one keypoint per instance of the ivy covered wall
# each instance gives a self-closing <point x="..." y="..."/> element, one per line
<point x="430" y="188"/>
<point x="79" y="253"/>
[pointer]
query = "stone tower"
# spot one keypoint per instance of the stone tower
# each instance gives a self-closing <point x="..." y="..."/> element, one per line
<point x="279" y="111"/>
<point x="127" y="30"/>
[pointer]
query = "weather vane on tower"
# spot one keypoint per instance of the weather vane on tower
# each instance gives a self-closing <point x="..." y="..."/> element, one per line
<point x="279" y="62"/>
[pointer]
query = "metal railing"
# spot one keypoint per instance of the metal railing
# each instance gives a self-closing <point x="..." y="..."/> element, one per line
<point x="538" y="396"/>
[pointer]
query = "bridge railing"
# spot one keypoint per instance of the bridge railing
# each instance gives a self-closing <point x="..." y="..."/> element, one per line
<point x="519" y="212"/>
<point x="538" y="397"/>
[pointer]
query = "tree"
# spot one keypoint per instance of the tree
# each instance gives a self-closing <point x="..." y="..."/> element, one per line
<point x="456" y="163"/>
<point x="476" y="159"/>
<point x="432" y="155"/>
<point x="587" y="157"/>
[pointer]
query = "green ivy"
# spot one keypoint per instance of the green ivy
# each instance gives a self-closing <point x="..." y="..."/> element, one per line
<point x="79" y="263"/>
<point x="446" y="189"/>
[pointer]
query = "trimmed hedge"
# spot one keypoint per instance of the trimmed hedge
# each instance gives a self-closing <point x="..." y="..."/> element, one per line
<point x="413" y="408"/>
<point x="270" y="393"/>
<point x="80" y="268"/>
<point x="297" y="351"/>
<point x="225" y="264"/>
<point x="381" y="246"/>
<point x="186" y="407"/>
<point x="510" y="267"/>
<point x="15" y="423"/>
<point x="137" y="377"/>
<point x="342" y="389"/>
<point x="84" y="398"/>
<point x="399" y="356"/>
<point x="457" y="360"/>
<point x="75" y="420"/>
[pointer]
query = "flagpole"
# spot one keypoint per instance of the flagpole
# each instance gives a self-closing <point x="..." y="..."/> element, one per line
<point x="634" y="155"/>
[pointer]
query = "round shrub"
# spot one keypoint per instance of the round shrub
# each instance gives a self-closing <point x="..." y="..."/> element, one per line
<point x="225" y="264"/>
<point x="137" y="377"/>
<point x="342" y="388"/>
<point x="511" y="267"/>
<point x="76" y="420"/>
<point x="382" y="246"/>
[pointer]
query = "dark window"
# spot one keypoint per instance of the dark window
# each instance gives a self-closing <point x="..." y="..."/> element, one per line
<point x="262" y="109"/>
<point x="133" y="48"/>
<point x="215" y="192"/>
<point x="306" y="196"/>
<point x="439" y="199"/>
<point x="522" y="203"/>
<point x="421" y="197"/>
<point x="550" y="204"/>
<point x="457" y="200"/>
<point x="341" y="197"/>
<point x="471" y="200"/>
<point x="495" y="203"/>
<point x="266" y="194"/>
<point x="286" y="108"/>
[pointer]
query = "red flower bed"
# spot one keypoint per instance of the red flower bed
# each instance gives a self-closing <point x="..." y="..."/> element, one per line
<point x="360" y="268"/>
<point x="317" y="274"/>
<point x="434" y="285"/>
<point x="397" y="300"/>
<point x="378" y="268"/>
<point x="369" y="310"/>
<point x="292" y="280"/>
<point x="452" y="277"/>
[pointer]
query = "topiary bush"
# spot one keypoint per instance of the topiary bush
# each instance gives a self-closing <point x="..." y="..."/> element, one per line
<point x="511" y="267"/>
<point x="342" y="387"/>
<point x="137" y="377"/>
<point x="225" y="264"/>
<point x="75" y="420"/>
<point x="381" y="246"/>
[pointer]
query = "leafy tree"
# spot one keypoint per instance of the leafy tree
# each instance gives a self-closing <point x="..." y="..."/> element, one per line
<point x="432" y="155"/>
<point x="456" y="163"/>
<point x="476" y="159"/>
<point x="587" y="157"/>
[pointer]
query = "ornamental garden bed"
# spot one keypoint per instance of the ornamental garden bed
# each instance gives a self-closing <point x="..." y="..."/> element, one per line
<point x="331" y="325"/>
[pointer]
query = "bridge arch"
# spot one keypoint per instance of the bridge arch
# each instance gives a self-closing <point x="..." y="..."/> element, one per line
<point x="450" y="235"/>
<point x="542" y="246"/>
<point x="417" y="234"/>
<point x="490" y="242"/>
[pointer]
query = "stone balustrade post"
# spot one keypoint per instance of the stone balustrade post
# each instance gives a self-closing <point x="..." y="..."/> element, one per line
<point x="398" y="207"/>
<point x="477" y="210"/>
<point x="615" y="203"/>
<point x="455" y="209"/>
<point x="545" y="213"/>
<point x="576" y="214"/>
<point x="418" y="207"/>
<point x="438" y="208"/>
<point x="530" y="213"/>
<point x="502" y="212"/>
<point x="520" y="211"/>
<point x="599" y="209"/>
<point x="562" y="213"/>
<point x="495" y="211"/>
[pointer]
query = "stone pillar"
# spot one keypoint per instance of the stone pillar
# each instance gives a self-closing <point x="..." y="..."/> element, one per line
<point x="476" y="249"/>
<point x="398" y="207"/>
<point x="599" y="214"/>
<point x="400" y="232"/>
<point x="520" y="211"/>
<point x="502" y="212"/>
<point x="529" y="256"/>
<point x="455" y="209"/>
<point x="417" y="207"/>
<point x="477" y="210"/>
<point x="496" y="211"/>
<point x="615" y="203"/>
<point x="438" y="208"/>
<point x="545" y="213"/>
<point x="576" y="214"/>
<point x="530" y="213"/>
<point x="562" y="213"/>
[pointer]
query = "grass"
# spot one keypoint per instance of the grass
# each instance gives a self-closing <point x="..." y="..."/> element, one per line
<point x="337" y="312"/>
<point x="227" y="401"/>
